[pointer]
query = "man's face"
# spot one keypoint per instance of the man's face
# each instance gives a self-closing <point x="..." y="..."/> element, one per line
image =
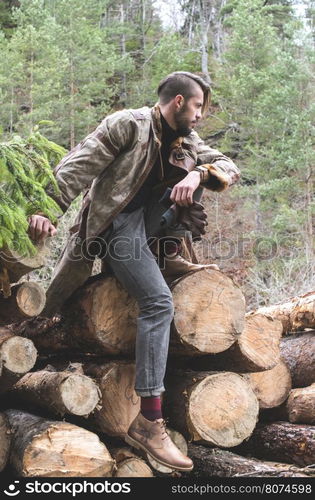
<point x="189" y="114"/>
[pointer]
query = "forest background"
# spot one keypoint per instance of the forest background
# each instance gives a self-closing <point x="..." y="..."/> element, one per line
<point x="65" y="64"/>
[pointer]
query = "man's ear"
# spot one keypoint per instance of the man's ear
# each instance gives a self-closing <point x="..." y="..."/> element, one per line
<point x="179" y="101"/>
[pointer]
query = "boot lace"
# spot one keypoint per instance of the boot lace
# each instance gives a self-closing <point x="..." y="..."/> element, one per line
<point x="165" y="434"/>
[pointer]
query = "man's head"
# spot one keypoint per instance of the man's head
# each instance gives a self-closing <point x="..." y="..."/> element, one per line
<point x="183" y="98"/>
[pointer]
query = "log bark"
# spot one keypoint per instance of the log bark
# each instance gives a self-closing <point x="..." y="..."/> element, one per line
<point x="26" y="300"/>
<point x="222" y="463"/>
<point x="59" y="392"/>
<point x="18" y="356"/>
<point x="47" y="448"/>
<point x="128" y="464"/>
<point x="297" y="313"/>
<point x="298" y="352"/>
<point x="282" y="441"/>
<point x="256" y="349"/>
<point x="214" y="408"/>
<point x="18" y="265"/>
<point x="101" y="317"/>
<point x="5" y="441"/>
<point x="120" y="403"/>
<point x="271" y="387"/>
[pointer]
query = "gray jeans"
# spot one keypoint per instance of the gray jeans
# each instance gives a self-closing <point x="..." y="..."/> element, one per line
<point x="134" y="265"/>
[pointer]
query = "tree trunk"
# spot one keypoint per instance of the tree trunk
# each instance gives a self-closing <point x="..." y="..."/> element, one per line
<point x="298" y="352"/>
<point x="59" y="392"/>
<point x="295" y="314"/>
<point x="26" y="300"/>
<point x="5" y="441"/>
<point x="120" y="403"/>
<point x="48" y="448"/>
<point x="213" y="408"/>
<point x="222" y="463"/>
<point x="19" y="265"/>
<point x="101" y="317"/>
<point x="18" y="356"/>
<point x="271" y="387"/>
<point x="128" y="464"/>
<point x="256" y="349"/>
<point x="282" y="441"/>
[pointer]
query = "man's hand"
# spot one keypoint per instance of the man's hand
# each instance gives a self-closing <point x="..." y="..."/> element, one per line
<point x="182" y="192"/>
<point x="40" y="227"/>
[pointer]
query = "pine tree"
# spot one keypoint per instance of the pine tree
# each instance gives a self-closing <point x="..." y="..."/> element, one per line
<point x="25" y="171"/>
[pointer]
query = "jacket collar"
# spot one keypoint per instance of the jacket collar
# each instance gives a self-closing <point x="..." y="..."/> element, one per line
<point x="156" y="122"/>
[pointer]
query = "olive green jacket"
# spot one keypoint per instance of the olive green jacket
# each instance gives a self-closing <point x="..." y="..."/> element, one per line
<point x="112" y="162"/>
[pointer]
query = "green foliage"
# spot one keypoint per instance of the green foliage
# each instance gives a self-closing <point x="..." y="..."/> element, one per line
<point x="25" y="170"/>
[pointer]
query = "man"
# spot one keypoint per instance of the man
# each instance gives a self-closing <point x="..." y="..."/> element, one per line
<point x="124" y="166"/>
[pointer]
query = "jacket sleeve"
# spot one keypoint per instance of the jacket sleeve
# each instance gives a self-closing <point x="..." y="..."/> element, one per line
<point x="92" y="156"/>
<point x="222" y="171"/>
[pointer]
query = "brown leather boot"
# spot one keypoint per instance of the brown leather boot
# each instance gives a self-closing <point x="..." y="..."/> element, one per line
<point x="152" y="437"/>
<point x="176" y="266"/>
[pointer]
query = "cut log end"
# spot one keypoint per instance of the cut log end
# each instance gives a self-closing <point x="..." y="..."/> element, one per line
<point x="209" y="313"/>
<point x="133" y="467"/>
<point x="259" y="342"/>
<point x="18" y="355"/>
<point x="60" y="452"/>
<point x="300" y="405"/>
<point x="271" y="386"/>
<point x="222" y="410"/>
<point x="31" y="299"/>
<point x="80" y="394"/>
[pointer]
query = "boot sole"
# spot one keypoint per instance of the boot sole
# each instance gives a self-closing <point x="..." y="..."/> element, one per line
<point x="139" y="446"/>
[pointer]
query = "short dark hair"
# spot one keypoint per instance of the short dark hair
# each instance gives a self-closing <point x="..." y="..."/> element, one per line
<point x="183" y="82"/>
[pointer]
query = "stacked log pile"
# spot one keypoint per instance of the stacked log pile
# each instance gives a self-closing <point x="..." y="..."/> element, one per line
<point x="69" y="380"/>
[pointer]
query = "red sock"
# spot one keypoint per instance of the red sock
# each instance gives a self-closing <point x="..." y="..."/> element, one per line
<point x="151" y="407"/>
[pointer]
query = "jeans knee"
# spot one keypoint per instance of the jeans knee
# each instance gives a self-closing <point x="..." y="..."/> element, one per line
<point x="166" y="303"/>
<point x="161" y="303"/>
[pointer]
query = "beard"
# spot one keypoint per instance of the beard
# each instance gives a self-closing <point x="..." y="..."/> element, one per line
<point x="182" y="122"/>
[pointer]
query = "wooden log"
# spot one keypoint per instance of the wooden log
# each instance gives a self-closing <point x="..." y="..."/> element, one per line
<point x="299" y="408"/>
<point x="282" y="441"/>
<point x="295" y="314"/>
<point x="101" y="317"/>
<point x="181" y="444"/>
<point x="26" y="300"/>
<point x="48" y="448"/>
<point x="18" y="356"/>
<point x="300" y="405"/>
<point x="256" y="349"/>
<point x="209" y="313"/>
<point x="120" y="403"/>
<point x="18" y="265"/>
<point x="5" y="440"/>
<point x="223" y="463"/>
<point x="59" y="392"/>
<point x="214" y="408"/>
<point x="298" y="352"/>
<point x="271" y="387"/>
<point x="128" y="464"/>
